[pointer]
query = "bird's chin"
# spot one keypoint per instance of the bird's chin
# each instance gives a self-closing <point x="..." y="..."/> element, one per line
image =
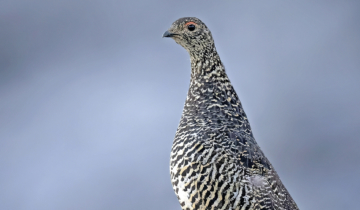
<point x="180" y="42"/>
<point x="176" y="37"/>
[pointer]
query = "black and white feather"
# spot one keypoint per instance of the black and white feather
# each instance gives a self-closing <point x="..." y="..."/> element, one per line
<point x="215" y="161"/>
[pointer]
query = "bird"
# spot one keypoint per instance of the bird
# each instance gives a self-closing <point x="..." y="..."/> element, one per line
<point x="215" y="162"/>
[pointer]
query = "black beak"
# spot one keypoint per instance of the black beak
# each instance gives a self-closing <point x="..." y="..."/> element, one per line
<point x="168" y="34"/>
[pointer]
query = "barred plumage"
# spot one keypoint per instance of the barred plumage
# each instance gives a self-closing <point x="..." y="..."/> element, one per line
<point x="215" y="161"/>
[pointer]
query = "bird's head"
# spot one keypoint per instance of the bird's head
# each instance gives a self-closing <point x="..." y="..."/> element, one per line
<point x="192" y="34"/>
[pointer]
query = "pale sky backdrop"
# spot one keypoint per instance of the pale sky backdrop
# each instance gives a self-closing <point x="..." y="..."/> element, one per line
<point x="91" y="97"/>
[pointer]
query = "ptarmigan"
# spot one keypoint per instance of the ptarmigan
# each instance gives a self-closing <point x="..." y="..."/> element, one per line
<point x="215" y="161"/>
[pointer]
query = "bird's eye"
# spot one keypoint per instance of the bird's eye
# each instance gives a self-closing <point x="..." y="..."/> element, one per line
<point x="191" y="27"/>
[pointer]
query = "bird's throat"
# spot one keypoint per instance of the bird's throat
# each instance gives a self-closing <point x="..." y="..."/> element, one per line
<point x="207" y="67"/>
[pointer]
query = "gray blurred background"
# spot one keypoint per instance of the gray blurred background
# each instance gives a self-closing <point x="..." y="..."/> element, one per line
<point x="91" y="97"/>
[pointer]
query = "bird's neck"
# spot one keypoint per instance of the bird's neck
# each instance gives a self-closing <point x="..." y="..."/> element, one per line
<point x="209" y="83"/>
<point x="212" y="101"/>
<point x="206" y="65"/>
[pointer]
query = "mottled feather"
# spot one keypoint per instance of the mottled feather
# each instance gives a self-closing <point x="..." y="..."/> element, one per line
<point x="215" y="161"/>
